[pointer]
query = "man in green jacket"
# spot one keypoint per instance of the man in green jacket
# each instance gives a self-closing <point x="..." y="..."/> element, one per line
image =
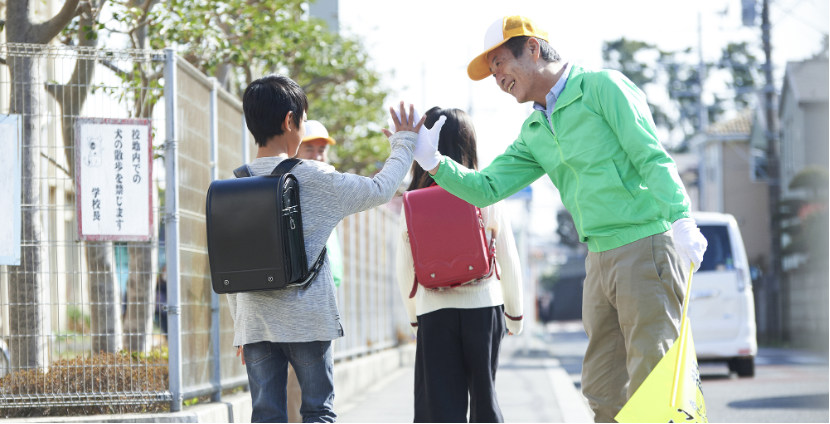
<point x="593" y="135"/>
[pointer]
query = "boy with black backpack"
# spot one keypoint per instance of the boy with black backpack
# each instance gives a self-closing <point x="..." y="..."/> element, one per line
<point x="297" y="324"/>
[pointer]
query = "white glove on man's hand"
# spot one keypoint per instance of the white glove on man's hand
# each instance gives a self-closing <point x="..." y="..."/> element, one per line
<point x="689" y="242"/>
<point x="426" y="151"/>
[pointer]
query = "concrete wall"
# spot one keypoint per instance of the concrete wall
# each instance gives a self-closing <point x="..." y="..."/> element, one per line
<point x="806" y="312"/>
<point x="805" y="138"/>
<point x="746" y="200"/>
<point x="816" y="133"/>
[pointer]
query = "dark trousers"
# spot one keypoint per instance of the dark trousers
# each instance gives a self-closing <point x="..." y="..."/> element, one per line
<point x="267" y="365"/>
<point x="457" y="354"/>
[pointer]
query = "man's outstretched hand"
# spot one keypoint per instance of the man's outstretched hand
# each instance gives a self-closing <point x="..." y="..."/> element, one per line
<point x="426" y="151"/>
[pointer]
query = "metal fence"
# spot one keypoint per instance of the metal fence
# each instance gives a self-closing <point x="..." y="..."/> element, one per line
<point x="121" y="323"/>
<point x="73" y="310"/>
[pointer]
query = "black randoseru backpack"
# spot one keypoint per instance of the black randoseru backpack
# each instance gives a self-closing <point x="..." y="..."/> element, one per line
<point x="255" y="232"/>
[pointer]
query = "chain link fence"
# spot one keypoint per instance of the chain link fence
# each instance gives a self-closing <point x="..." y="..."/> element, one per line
<point x="118" y="326"/>
<point x="77" y="317"/>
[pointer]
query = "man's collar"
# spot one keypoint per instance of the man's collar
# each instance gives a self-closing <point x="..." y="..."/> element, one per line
<point x="556" y="90"/>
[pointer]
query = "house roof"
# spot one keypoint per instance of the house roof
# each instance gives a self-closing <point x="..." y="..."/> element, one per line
<point x="808" y="80"/>
<point x="739" y="125"/>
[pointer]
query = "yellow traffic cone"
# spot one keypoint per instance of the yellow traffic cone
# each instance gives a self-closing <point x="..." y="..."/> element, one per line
<point x="671" y="393"/>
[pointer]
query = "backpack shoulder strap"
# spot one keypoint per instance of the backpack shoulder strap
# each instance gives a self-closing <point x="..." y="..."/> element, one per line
<point x="242" y="172"/>
<point x="286" y="166"/>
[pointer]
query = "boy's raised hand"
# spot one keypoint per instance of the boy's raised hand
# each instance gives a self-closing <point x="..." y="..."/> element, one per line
<point x="404" y="122"/>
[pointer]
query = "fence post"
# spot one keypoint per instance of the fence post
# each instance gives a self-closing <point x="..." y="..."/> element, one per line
<point x="216" y="376"/>
<point x="171" y="225"/>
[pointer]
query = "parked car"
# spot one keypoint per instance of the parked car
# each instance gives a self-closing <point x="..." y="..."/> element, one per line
<point x="722" y="310"/>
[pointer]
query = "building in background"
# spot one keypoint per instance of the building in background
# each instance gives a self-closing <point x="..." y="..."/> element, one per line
<point x="327" y="10"/>
<point x="732" y="179"/>
<point x="804" y="118"/>
<point x="804" y="140"/>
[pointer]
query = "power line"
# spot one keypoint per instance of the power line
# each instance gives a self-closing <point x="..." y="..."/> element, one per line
<point x="789" y="12"/>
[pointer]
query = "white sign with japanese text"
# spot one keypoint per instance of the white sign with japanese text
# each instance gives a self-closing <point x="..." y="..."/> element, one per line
<point x="10" y="133"/>
<point x="114" y="173"/>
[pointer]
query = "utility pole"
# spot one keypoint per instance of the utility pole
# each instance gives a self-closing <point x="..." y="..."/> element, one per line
<point x="773" y="280"/>
<point x="702" y="114"/>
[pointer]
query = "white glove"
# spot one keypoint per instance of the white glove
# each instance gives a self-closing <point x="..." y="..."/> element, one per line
<point x="426" y="151"/>
<point x="689" y="242"/>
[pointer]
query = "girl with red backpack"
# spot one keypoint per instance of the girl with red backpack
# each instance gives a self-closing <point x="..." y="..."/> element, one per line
<point x="459" y="329"/>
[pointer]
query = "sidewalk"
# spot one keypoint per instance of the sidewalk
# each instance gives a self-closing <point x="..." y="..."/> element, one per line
<point x="531" y="386"/>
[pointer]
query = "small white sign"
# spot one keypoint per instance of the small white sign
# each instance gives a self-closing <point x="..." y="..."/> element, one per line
<point x="114" y="173"/>
<point x="10" y="133"/>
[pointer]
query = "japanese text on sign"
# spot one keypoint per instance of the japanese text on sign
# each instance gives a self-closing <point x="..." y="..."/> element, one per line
<point x="114" y="162"/>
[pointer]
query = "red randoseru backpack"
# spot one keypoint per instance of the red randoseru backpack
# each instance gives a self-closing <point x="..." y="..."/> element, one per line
<point x="449" y="246"/>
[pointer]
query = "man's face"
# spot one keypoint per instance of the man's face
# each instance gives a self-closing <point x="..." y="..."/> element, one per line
<point x="296" y="133"/>
<point x="314" y="150"/>
<point x="514" y="76"/>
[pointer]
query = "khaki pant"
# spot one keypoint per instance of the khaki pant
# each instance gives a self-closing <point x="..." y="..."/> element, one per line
<point x="295" y="397"/>
<point x="631" y="309"/>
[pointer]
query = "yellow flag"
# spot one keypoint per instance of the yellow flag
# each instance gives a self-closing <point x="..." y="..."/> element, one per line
<point x="671" y="393"/>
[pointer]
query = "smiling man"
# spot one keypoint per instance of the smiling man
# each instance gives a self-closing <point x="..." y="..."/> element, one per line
<point x="593" y="135"/>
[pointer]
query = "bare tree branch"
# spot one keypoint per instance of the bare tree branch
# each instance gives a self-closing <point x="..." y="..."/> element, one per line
<point x="118" y="71"/>
<point x="45" y="31"/>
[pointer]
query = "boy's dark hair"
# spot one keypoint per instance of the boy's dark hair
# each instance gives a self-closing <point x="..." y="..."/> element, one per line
<point x="267" y="101"/>
<point x="457" y="140"/>
<point x="516" y="45"/>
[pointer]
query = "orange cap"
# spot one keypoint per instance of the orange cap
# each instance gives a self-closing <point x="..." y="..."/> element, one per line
<point x="500" y="31"/>
<point x="314" y="130"/>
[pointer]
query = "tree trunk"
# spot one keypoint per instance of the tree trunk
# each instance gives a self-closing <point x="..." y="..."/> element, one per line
<point x="104" y="298"/>
<point x="28" y="291"/>
<point x="104" y="292"/>
<point x="28" y="321"/>
<point x="138" y="321"/>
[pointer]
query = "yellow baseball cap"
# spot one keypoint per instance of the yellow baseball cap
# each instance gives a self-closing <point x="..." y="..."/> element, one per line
<point x="314" y="130"/>
<point x="500" y="31"/>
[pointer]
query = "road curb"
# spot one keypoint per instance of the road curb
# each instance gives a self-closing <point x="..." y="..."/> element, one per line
<point x="572" y="404"/>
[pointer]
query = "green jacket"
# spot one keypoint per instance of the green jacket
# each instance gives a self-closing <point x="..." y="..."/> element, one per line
<point x="335" y="258"/>
<point x="603" y="155"/>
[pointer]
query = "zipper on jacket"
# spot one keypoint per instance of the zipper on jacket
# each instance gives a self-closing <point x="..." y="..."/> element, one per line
<point x="562" y="157"/>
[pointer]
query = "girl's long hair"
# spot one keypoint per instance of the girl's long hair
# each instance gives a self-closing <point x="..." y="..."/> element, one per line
<point x="457" y="141"/>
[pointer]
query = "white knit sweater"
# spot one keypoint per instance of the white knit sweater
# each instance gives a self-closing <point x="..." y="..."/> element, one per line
<point x="490" y="292"/>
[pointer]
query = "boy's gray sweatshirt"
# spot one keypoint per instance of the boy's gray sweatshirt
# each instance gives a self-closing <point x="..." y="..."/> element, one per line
<point x="326" y="197"/>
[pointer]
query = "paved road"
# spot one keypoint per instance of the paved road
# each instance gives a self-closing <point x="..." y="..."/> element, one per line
<point x="531" y="387"/>
<point x="789" y="385"/>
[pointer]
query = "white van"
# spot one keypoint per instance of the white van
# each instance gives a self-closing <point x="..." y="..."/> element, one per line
<point x="722" y="310"/>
